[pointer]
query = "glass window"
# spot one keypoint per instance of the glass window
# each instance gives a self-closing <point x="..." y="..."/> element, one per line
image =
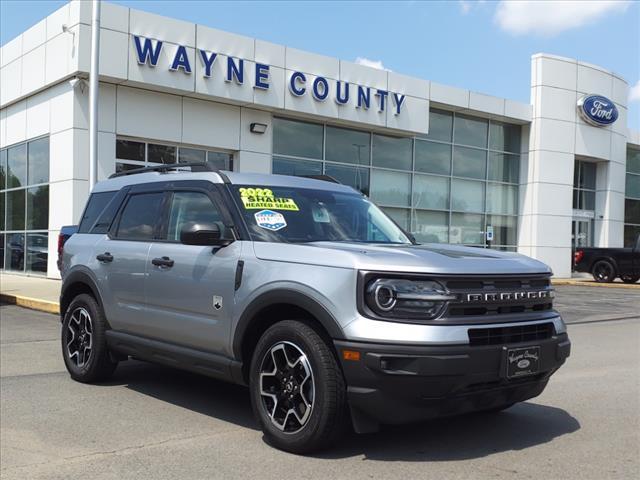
<point x="220" y="160"/>
<point x="431" y="227"/>
<point x="38" y="208"/>
<point x="399" y="215"/>
<point x="165" y="154"/>
<point x="38" y="155"/>
<point x="633" y="186"/>
<point x="192" y="155"/>
<point x="357" y="177"/>
<point x="15" y="210"/>
<point x="95" y="206"/>
<point x="3" y="170"/>
<point x="433" y="157"/>
<point x="470" y="131"/>
<point x="17" y="166"/>
<point x="467" y="229"/>
<point x="285" y="166"/>
<point x="631" y="211"/>
<point x="431" y="192"/>
<point x="467" y="195"/>
<point x="191" y="207"/>
<point x="584" y="199"/>
<point x="584" y="175"/>
<point x="37" y="252"/>
<point x="502" y="198"/>
<point x="347" y="146"/>
<point x="504" y="137"/>
<point x="469" y="162"/>
<point x="633" y="160"/>
<point x="440" y="125"/>
<point x="2" y="201"/>
<point x="139" y="217"/>
<point x="504" y="168"/>
<point x="390" y="188"/>
<point x="631" y="233"/>
<point x="14" y="252"/>
<point x="392" y="152"/>
<point x="125" y="167"/>
<point x="2" y="250"/>
<point x="295" y="138"/>
<point x="504" y="229"/>
<point x="129" y="150"/>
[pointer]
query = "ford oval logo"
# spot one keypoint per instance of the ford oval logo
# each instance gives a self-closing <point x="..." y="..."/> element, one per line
<point x="597" y="110"/>
<point x="524" y="363"/>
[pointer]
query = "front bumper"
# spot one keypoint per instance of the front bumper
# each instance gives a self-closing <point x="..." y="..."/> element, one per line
<point x="394" y="384"/>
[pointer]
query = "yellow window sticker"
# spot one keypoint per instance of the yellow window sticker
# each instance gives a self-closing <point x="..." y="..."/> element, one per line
<point x="263" y="198"/>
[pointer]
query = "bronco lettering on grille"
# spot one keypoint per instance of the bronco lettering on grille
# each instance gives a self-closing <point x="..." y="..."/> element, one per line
<point x="507" y="296"/>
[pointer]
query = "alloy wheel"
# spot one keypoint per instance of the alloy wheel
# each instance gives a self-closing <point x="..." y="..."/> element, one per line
<point x="603" y="271"/>
<point x="80" y="337"/>
<point x="287" y="387"/>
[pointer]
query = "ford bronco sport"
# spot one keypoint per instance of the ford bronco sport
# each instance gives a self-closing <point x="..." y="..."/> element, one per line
<point x="308" y="293"/>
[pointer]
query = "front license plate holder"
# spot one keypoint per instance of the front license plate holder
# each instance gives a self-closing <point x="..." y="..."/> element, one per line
<point x="522" y="362"/>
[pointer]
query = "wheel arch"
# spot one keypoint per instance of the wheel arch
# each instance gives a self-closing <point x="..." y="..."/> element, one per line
<point x="76" y="283"/>
<point x="272" y="307"/>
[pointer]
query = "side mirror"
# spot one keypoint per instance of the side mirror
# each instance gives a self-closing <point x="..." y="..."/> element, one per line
<point x="204" y="234"/>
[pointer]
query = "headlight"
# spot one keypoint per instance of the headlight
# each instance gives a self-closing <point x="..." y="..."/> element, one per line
<point x="406" y="299"/>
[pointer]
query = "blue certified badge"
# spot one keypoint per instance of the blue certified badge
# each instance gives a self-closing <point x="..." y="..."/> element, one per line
<point x="270" y="220"/>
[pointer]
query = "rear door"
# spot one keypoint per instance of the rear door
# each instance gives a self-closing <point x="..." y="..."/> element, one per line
<point x="122" y="259"/>
<point x="190" y="289"/>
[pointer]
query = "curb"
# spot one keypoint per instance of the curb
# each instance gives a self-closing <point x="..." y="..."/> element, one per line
<point x="32" y="303"/>
<point x="587" y="283"/>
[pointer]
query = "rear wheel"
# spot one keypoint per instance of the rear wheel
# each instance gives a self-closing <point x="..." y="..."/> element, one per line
<point x="84" y="344"/>
<point x="603" y="271"/>
<point x="629" y="279"/>
<point x="297" y="388"/>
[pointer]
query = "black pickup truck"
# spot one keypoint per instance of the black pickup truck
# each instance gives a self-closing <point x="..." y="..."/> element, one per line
<point x="606" y="264"/>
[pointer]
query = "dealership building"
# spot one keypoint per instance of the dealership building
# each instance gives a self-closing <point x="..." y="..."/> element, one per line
<point x="448" y="164"/>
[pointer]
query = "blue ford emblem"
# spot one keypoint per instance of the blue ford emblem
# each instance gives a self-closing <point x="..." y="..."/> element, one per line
<point x="597" y="110"/>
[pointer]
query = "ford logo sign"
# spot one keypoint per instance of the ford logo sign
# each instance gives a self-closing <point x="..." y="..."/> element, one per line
<point x="597" y="110"/>
<point x="524" y="363"/>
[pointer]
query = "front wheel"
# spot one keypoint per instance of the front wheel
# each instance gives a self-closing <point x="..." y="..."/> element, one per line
<point x="603" y="271"/>
<point x="629" y="278"/>
<point x="84" y="343"/>
<point x="298" y="392"/>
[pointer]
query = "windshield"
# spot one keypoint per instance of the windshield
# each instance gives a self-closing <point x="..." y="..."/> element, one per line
<point x="285" y="214"/>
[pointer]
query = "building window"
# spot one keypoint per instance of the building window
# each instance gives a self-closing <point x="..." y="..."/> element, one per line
<point x="584" y="185"/>
<point x="447" y="186"/>
<point x="632" y="198"/>
<point x="24" y="206"/>
<point x="132" y="154"/>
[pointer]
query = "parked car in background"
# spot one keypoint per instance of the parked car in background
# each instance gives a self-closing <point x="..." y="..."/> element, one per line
<point x="607" y="264"/>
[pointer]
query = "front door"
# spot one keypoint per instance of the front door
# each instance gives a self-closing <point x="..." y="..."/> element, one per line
<point x="190" y="289"/>
<point x="581" y="235"/>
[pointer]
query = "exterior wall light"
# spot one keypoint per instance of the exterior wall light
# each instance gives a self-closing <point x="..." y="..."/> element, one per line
<point x="258" y="127"/>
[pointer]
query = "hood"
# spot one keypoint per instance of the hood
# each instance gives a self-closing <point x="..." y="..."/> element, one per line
<point x="428" y="258"/>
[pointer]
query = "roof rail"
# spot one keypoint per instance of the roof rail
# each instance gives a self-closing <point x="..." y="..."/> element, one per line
<point x="195" y="167"/>
<point x="325" y="178"/>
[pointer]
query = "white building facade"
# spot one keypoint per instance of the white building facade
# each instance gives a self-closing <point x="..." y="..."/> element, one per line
<point x="448" y="164"/>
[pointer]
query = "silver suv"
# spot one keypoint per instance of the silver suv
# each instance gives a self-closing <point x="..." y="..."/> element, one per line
<point x="308" y="293"/>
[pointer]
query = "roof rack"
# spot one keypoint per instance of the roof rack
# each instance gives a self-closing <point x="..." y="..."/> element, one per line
<point x="195" y="167"/>
<point x="326" y="178"/>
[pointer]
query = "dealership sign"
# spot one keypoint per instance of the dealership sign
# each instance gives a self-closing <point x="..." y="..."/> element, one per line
<point x="597" y="110"/>
<point x="320" y="88"/>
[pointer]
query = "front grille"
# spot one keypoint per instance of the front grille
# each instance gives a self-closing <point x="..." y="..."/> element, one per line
<point x="497" y="286"/>
<point x="513" y="334"/>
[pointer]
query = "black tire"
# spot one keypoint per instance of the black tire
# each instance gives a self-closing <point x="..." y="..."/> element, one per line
<point x="629" y="279"/>
<point x="288" y="342"/>
<point x="603" y="271"/>
<point x="85" y="326"/>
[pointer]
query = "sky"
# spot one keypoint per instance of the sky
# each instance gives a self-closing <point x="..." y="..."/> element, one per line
<point x="482" y="46"/>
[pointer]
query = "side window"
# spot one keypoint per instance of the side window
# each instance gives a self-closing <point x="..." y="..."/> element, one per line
<point x="139" y="217"/>
<point x="95" y="206"/>
<point x="188" y="207"/>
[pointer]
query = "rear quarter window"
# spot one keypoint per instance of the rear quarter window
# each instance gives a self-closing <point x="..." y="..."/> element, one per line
<point x="98" y="214"/>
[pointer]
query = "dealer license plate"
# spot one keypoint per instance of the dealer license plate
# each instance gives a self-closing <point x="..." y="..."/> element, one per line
<point x="522" y="362"/>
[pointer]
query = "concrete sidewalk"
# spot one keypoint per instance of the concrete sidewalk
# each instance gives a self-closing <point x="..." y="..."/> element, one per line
<point x="31" y="292"/>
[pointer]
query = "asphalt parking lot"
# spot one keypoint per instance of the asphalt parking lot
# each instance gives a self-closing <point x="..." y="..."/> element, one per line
<point x="153" y="422"/>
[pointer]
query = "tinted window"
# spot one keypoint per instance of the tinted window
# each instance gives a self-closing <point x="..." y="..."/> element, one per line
<point x="17" y="166"/>
<point x="38" y="208"/>
<point x="347" y="146"/>
<point x="95" y="206"/>
<point x="139" y="217"/>
<point x="440" y="125"/>
<point x="391" y="152"/>
<point x="129" y="150"/>
<point x="299" y="139"/>
<point x="38" y="161"/>
<point x="161" y="153"/>
<point x="191" y="207"/>
<point x="470" y="131"/>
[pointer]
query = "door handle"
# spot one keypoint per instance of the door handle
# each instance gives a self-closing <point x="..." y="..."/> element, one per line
<point x="162" y="262"/>
<point x="105" y="257"/>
